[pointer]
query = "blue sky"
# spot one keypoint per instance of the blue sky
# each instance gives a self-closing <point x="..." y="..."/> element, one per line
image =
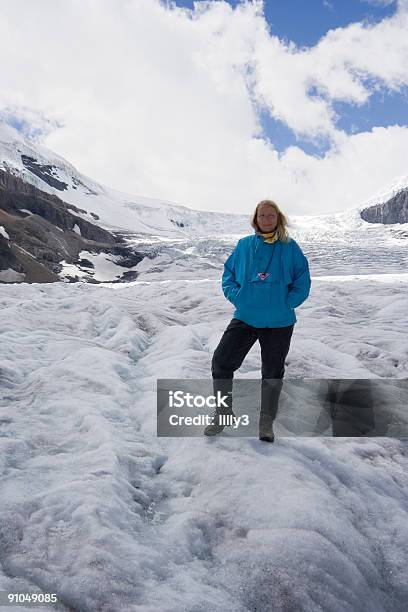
<point x="305" y="22"/>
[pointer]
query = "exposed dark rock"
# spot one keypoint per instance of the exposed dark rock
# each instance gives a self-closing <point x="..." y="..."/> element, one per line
<point x="88" y="190"/>
<point x="7" y="257"/>
<point x="15" y="258"/>
<point x="130" y="275"/>
<point x="44" y="171"/>
<point x="395" y="210"/>
<point x="16" y="194"/>
<point x="178" y="223"/>
<point x="35" y="272"/>
<point x="128" y="257"/>
<point x="40" y="241"/>
<point x="85" y="263"/>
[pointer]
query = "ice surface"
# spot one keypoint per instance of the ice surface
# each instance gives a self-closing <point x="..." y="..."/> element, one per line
<point x="96" y="508"/>
<point x="99" y="510"/>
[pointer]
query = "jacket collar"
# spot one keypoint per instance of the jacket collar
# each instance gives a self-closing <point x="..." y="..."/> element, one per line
<point x="279" y="265"/>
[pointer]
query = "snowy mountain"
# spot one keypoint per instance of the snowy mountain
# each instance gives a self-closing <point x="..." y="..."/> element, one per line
<point x="398" y="186"/>
<point x="391" y="209"/>
<point x="57" y="224"/>
<point x="114" y="210"/>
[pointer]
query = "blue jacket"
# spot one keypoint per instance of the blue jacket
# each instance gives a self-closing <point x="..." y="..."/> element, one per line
<point x="268" y="300"/>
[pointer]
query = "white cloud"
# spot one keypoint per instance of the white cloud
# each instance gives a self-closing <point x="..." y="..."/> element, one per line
<point x="34" y="125"/>
<point x="163" y="103"/>
<point x="379" y="2"/>
<point x="338" y="66"/>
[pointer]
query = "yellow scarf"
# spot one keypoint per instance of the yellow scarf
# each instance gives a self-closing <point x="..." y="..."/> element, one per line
<point x="269" y="236"/>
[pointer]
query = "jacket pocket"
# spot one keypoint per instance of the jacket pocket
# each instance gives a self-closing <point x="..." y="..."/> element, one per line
<point x="243" y="295"/>
<point x="258" y="294"/>
<point x="278" y="298"/>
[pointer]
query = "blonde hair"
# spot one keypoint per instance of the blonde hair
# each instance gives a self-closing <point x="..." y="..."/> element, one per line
<point x="283" y="235"/>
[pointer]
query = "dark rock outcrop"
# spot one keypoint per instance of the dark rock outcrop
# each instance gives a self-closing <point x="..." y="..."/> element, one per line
<point x="16" y="193"/>
<point x="45" y="172"/>
<point x="178" y="223"/>
<point x="395" y="210"/>
<point x="7" y="257"/>
<point x="40" y="240"/>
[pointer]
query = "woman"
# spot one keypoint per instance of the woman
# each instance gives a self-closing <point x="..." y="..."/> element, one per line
<point x="266" y="277"/>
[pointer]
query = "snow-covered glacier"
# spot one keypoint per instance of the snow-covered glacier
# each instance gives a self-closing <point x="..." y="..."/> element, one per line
<point x="99" y="510"/>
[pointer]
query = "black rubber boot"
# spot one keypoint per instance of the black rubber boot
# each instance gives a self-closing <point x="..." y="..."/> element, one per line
<point x="266" y="428"/>
<point x="222" y="416"/>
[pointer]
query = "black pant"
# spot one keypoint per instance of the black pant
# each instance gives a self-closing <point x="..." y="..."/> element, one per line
<point x="237" y="340"/>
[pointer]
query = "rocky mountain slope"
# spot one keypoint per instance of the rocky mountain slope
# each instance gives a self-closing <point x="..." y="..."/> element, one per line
<point x="54" y="220"/>
<point x="393" y="210"/>
<point x="39" y="231"/>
